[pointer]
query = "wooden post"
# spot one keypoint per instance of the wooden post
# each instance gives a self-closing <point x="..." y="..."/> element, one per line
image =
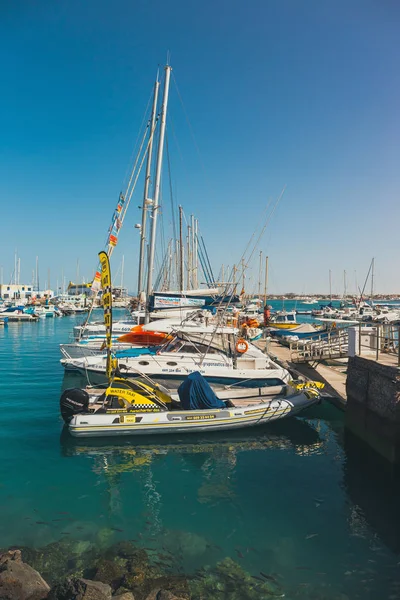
<point x="359" y="339"/>
<point x="377" y="341"/>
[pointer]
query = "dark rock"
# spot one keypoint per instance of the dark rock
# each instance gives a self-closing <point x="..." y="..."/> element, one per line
<point x="80" y="589"/>
<point x="125" y="549"/>
<point x="60" y="559"/>
<point x="167" y="595"/>
<point x="124" y="596"/>
<point x="171" y="587"/>
<point x="19" y="581"/>
<point x="110" y="571"/>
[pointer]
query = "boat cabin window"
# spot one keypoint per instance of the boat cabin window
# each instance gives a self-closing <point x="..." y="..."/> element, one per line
<point x="290" y="317"/>
<point x="143" y="362"/>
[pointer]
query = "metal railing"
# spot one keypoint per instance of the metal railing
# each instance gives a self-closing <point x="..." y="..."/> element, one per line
<point x="383" y="341"/>
<point x="332" y="344"/>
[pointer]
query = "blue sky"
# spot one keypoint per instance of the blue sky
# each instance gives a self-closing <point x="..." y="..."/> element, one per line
<point x="302" y="94"/>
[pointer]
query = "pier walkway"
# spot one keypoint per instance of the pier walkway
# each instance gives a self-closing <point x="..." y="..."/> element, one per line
<point x="333" y="378"/>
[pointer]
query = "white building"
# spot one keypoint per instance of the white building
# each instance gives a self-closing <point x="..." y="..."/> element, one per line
<point x="20" y="291"/>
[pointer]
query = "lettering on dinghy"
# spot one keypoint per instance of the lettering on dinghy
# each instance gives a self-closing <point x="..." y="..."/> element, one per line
<point x="199" y="417"/>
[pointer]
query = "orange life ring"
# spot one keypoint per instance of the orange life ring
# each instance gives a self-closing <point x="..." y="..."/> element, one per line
<point x="242" y="346"/>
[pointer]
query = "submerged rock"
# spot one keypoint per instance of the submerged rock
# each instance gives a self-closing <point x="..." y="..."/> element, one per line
<point x="80" y="589"/>
<point x="184" y="543"/>
<point x="229" y="581"/>
<point x="59" y="559"/>
<point x="18" y="580"/>
<point x="109" y="571"/>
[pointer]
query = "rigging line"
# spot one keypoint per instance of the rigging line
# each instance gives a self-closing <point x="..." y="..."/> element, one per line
<point x="138" y="136"/>
<point x="171" y="195"/>
<point x="190" y="127"/>
<point x="208" y="260"/>
<point x="264" y="213"/>
<point x="269" y="217"/>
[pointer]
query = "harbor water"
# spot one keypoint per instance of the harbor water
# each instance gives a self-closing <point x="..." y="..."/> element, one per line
<point x="299" y="501"/>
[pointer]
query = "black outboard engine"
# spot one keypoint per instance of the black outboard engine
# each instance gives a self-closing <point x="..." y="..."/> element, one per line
<point x="73" y="402"/>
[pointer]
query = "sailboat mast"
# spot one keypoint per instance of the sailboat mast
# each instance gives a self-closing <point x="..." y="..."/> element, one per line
<point x="122" y="272"/>
<point x="259" y="276"/>
<point x="146" y="200"/>
<point x="344" y="285"/>
<point x="195" y="255"/>
<point x="266" y="279"/>
<point x="372" y="279"/>
<point x="157" y="184"/>
<point x="181" y="260"/>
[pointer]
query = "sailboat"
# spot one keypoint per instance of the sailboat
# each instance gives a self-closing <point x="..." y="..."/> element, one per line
<point x="143" y="407"/>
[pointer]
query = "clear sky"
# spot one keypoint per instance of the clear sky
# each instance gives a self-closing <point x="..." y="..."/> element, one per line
<point x="278" y="92"/>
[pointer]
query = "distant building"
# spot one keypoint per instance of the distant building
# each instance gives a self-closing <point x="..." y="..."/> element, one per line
<point x="76" y="289"/>
<point x="21" y="291"/>
<point x="16" y="291"/>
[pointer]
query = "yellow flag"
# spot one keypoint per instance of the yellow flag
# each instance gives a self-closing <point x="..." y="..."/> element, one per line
<point x="107" y="306"/>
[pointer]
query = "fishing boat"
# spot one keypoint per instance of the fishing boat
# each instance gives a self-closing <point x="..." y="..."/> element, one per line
<point x="283" y="320"/>
<point x="143" y="407"/>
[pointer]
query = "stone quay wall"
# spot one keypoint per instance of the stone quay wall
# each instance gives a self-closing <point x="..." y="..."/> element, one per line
<point x="373" y="405"/>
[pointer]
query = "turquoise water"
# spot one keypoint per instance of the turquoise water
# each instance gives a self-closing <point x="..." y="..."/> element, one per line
<point x="299" y="499"/>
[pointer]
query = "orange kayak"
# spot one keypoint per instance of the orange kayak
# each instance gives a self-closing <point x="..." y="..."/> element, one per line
<point x="144" y="338"/>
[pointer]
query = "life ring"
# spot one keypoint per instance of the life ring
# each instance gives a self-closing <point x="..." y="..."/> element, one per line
<point x="242" y="346"/>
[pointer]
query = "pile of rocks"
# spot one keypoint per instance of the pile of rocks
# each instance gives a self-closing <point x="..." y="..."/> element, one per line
<point x="20" y="581"/>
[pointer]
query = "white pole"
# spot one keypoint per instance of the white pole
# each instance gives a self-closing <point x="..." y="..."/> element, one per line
<point x="157" y="184"/>
<point x="196" y="258"/>
<point x="19" y="270"/>
<point x="122" y="273"/>
<point x="372" y="279"/>
<point x="146" y="200"/>
<point x="37" y="273"/>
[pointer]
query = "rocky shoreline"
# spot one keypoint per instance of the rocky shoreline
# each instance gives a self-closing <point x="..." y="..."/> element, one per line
<point x="76" y="570"/>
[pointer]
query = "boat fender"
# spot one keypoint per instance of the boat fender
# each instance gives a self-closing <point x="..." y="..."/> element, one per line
<point x="242" y="346"/>
<point x="73" y="402"/>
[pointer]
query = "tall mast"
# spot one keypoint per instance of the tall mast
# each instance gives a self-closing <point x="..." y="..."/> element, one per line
<point x="243" y="290"/>
<point x="122" y="273"/>
<point x="189" y="258"/>
<point x="192" y="252"/>
<point x="372" y="279"/>
<point x="344" y="285"/>
<point x="37" y="273"/>
<point x="181" y="259"/>
<point x="259" y="276"/>
<point x="157" y="184"/>
<point x="195" y="255"/>
<point x="146" y="199"/>
<point x="266" y="279"/>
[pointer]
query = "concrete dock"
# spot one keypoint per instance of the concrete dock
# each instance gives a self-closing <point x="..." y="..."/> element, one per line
<point x="334" y="378"/>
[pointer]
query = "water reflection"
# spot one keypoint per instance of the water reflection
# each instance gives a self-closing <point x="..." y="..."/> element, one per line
<point x="373" y="486"/>
<point x="135" y="453"/>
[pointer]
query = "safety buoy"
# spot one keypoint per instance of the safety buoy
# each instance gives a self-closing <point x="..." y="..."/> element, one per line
<point x="242" y="346"/>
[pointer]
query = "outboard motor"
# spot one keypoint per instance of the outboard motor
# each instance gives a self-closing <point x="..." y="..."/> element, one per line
<point x="73" y="402"/>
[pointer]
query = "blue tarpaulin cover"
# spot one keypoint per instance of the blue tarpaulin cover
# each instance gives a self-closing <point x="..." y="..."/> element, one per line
<point x="195" y="393"/>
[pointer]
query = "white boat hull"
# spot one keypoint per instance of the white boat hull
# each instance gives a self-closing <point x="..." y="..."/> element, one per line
<point x="189" y="421"/>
